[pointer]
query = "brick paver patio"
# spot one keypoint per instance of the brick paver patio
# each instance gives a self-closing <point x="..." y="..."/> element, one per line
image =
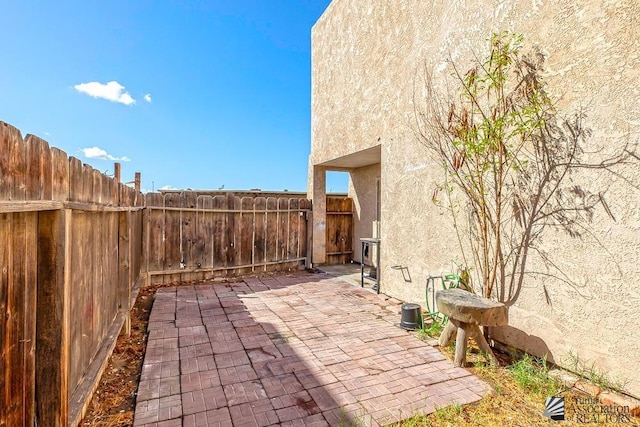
<point x="299" y="349"/>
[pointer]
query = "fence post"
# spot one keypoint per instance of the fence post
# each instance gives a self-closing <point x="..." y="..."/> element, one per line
<point x="52" y="334"/>
<point x="137" y="181"/>
<point x="117" y="174"/>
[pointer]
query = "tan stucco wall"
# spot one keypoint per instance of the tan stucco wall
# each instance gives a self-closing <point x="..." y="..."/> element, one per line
<point x="317" y="191"/>
<point x="362" y="190"/>
<point x="367" y="55"/>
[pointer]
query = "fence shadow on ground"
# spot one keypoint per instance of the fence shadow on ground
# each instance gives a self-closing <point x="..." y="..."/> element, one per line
<point x="298" y="348"/>
<point x="209" y="360"/>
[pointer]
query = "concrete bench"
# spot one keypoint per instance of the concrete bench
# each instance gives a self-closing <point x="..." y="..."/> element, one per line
<point x="467" y="312"/>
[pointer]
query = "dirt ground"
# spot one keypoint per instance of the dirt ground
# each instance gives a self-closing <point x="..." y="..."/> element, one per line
<point x="114" y="401"/>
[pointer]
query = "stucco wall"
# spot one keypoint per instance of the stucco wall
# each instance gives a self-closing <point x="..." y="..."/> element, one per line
<point x="367" y="59"/>
<point x="362" y="190"/>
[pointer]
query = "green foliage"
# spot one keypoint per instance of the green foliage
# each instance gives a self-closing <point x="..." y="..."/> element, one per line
<point x="532" y="374"/>
<point x="508" y="157"/>
<point x="589" y="371"/>
<point x="488" y="128"/>
<point x="490" y="373"/>
<point x="447" y="416"/>
<point x="432" y="330"/>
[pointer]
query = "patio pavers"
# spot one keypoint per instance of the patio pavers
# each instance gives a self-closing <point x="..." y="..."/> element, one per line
<point x="298" y="349"/>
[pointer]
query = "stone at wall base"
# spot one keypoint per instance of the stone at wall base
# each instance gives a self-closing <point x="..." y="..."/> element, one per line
<point x="608" y="398"/>
<point x="563" y="377"/>
<point x="588" y="388"/>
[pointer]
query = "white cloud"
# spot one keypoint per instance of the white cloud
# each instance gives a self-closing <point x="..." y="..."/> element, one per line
<point x="147" y="97"/>
<point x="112" y="91"/>
<point x="168" y="187"/>
<point x="99" y="153"/>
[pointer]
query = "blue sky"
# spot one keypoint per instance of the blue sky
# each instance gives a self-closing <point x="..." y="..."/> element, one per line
<point x="192" y="94"/>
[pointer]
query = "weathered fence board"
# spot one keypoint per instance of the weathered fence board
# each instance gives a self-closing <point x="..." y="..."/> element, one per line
<point x="339" y="241"/>
<point x="272" y="229"/>
<point x="260" y="232"/>
<point x="220" y="232"/>
<point x="293" y="229"/>
<point x="154" y="236"/>
<point x="172" y="257"/>
<point x="19" y="323"/>
<point x="207" y="236"/>
<point x="38" y="183"/>
<point x="189" y="227"/>
<point x="61" y="284"/>
<point x="6" y="275"/>
<point x="10" y="159"/>
<point x="29" y="221"/>
<point x="79" y="316"/>
<point x="246" y="231"/>
<point x="17" y="301"/>
<point x="73" y="245"/>
<point x="52" y="349"/>
<point x="124" y="252"/>
<point x="96" y="245"/>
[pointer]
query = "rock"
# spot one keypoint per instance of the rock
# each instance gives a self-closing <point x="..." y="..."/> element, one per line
<point x="609" y="398"/>
<point x="563" y="377"/>
<point x="588" y="388"/>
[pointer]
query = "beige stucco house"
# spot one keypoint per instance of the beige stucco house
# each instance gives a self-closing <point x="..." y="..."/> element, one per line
<point x="366" y="59"/>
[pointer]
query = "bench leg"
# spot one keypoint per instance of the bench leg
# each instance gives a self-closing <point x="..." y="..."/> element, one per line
<point x="477" y="335"/>
<point x="461" y="332"/>
<point x="448" y="334"/>
<point x="460" y="357"/>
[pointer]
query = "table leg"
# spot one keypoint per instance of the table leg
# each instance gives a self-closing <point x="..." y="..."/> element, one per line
<point x="362" y="265"/>
<point x="477" y="335"/>
<point x="448" y="334"/>
<point x="460" y="357"/>
<point x="378" y="268"/>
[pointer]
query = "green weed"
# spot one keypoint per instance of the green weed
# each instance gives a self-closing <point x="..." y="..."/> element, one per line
<point x="532" y="374"/>
<point x="589" y="371"/>
<point x="432" y="330"/>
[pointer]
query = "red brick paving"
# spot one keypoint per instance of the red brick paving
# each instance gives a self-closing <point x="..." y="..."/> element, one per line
<point x="294" y="350"/>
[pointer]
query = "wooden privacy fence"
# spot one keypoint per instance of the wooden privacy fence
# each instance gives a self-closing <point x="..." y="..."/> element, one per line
<point x="190" y="236"/>
<point x="339" y="241"/>
<point x="70" y="256"/>
<point x="75" y="245"/>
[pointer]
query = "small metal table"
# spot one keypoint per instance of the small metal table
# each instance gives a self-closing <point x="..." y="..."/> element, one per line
<point x="369" y="243"/>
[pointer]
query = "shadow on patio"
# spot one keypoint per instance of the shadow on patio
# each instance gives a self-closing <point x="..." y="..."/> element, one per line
<point x="298" y="349"/>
